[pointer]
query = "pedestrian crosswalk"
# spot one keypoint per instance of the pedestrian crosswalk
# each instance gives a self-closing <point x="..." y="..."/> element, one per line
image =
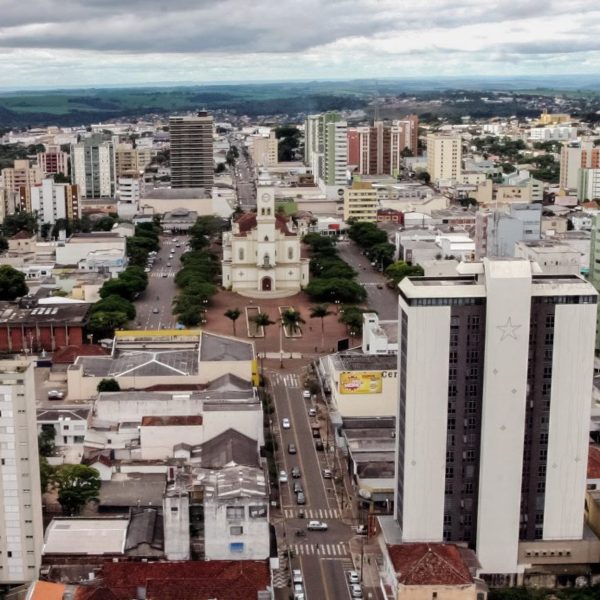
<point x="160" y="273"/>
<point x="290" y="380"/>
<point x="339" y="549"/>
<point x="313" y="513"/>
<point x="280" y="575"/>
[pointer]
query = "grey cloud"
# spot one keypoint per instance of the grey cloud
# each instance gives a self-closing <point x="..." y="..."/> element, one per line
<point x="244" y="26"/>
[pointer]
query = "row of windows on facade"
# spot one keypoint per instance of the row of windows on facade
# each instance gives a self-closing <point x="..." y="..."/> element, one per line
<point x="241" y="253"/>
<point x="234" y="513"/>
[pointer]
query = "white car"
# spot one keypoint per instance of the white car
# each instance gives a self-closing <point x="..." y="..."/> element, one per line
<point x="297" y="576"/>
<point x="55" y="395"/>
<point x="316" y="526"/>
<point x="285" y="423"/>
<point x="353" y="577"/>
<point x="312" y="411"/>
<point x="306" y="394"/>
<point x="283" y="478"/>
<point x="356" y="591"/>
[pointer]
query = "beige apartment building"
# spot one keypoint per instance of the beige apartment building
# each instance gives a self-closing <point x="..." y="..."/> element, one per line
<point x="360" y="202"/>
<point x="444" y="156"/>
<point x="576" y="156"/>
<point x="21" y="529"/>
<point x="20" y="178"/>
<point x="130" y="160"/>
<point x="265" y="150"/>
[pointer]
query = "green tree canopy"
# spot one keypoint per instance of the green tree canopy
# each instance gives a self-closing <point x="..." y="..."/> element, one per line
<point x="19" y="221"/>
<point x="109" y="385"/>
<point x="77" y="485"/>
<point x="12" y="283"/>
<point x="114" y="303"/>
<point x="400" y="269"/>
<point x="233" y="314"/>
<point x="329" y="290"/>
<point x="46" y="445"/>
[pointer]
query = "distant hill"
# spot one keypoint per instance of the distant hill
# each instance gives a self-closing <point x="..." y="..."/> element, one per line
<point x="85" y="106"/>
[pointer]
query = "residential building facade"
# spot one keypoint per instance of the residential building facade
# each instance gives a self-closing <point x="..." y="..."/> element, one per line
<point x="53" y="201"/>
<point x="360" y="202"/>
<point x="576" y="156"/>
<point x="53" y="161"/>
<point x="588" y="186"/>
<point x="19" y="178"/>
<point x="93" y="167"/>
<point x="192" y="151"/>
<point x="264" y="150"/>
<point x="444" y="156"/>
<point x="498" y="361"/>
<point x="21" y="527"/>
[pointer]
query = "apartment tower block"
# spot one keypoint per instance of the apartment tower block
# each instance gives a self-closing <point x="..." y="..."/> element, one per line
<point x="495" y="375"/>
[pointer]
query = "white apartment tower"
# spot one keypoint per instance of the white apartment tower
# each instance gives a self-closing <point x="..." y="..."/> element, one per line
<point x="444" y="156"/>
<point x="93" y="167"/>
<point x="264" y="150"/>
<point x="326" y="148"/>
<point x="21" y="529"/>
<point x="495" y="374"/>
<point x="192" y="164"/>
<point x="53" y="201"/>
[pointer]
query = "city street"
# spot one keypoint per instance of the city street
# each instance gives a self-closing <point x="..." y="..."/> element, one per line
<point x="380" y="297"/>
<point x="323" y="556"/>
<point x="161" y="290"/>
<point x="244" y="178"/>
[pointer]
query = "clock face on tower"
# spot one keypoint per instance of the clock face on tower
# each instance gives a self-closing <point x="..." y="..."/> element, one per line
<point x="265" y="197"/>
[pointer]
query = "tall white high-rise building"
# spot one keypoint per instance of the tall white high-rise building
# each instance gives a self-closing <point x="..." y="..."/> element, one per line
<point x="93" y="167"/>
<point x="326" y="148"/>
<point x="495" y="375"/>
<point x="53" y="201"/>
<point x="444" y="156"/>
<point x="21" y="528"/>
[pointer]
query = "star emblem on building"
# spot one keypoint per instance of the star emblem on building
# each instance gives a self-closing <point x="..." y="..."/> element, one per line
<point x="508" y="330"/>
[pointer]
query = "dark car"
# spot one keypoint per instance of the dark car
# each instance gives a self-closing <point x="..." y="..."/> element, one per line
<point x="292" y="448"/>
<point x="319" y="445"/>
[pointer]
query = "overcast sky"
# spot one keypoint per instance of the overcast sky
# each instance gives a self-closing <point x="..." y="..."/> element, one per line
<point x="86" y="42"/>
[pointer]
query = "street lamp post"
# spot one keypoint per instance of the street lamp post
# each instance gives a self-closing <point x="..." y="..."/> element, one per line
<point x="281" y="346"/>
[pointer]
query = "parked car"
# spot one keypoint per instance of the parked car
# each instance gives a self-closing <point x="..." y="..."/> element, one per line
<point x="295" y="472"/>
<point x="316" y="526"/>
<point x="312" y="411"/>
<point x="356" y="590"/>
<point x="298" y="488"/>
<point x="285" y="423"/>
<point x="306" y="394"/>
<point x="300" y="498"/>
<point x="327" y="474"/>
<point x="155" y="310"/>
<point x="291" y="448"/>
<point x="319" y="445"/>
<point x="283" y="478"/>
<point x="353" y="577"/>
<point x="297" y="576"/>
<point x="55" y="395"/>
<point x="361" y="530"/>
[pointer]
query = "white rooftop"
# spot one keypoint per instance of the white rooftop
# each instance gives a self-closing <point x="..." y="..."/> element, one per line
<point x="85" y="536"/>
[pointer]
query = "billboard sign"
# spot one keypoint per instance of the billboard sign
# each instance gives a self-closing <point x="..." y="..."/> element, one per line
<point x="361" y="382"/>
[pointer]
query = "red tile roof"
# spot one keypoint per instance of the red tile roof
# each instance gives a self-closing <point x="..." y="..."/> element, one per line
<point x="593" y="469"/>
<point x="68" y="354"/>
<point x="157" y="421"/>
<point x="247" y="222"/>
<point x="429" y="564"/>
<point x="189" y="580"/>
<point x="22" y="235"/>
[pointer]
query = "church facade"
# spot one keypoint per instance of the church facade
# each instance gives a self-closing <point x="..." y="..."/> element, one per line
<point x="262" y="252"/>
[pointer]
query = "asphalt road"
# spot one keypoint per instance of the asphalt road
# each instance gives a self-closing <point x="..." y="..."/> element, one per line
<point x="161" y="290"/>
<point x="244" y="177"/>
<point x="323" y="556"/>
<point x="380" y="298"/>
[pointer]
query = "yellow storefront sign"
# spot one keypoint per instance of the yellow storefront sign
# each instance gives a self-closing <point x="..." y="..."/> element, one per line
<point x="361" y="382"/>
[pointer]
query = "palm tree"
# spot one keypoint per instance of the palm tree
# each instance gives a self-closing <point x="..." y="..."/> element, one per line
<point x="292" y="319"/>
<point x="320" y="311"/>
<point x="234" y="315"/>
<point x="262" y="320"/>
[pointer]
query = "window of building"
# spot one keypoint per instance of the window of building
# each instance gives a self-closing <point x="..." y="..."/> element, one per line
<point x="240" y="254"/>
<point x="258" y="512"/>
<point x="290" y="253"/>
<point x="236" y="530"/>
<point x="235" y="512"/>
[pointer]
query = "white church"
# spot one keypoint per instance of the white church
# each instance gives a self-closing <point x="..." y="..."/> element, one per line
<point x="261" y="253"/>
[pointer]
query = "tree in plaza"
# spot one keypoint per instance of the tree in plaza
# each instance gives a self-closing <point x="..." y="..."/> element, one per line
<point x="190" y="317"/>
<point x="103" y="323"/>
<point x="399" y="270"/>
<point x="109" y="385"/>
<point x="114" y="303"/>
<point x="320" y="311"/>
<point x="329" y="290"/>
<point x="77" y="485"/>
<point x="263" y="320"/>
<point x="12" y="283"/>
<point x="233" y="314"/>
<point x="352" y="318"/>
<point x="292" y="320"/>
